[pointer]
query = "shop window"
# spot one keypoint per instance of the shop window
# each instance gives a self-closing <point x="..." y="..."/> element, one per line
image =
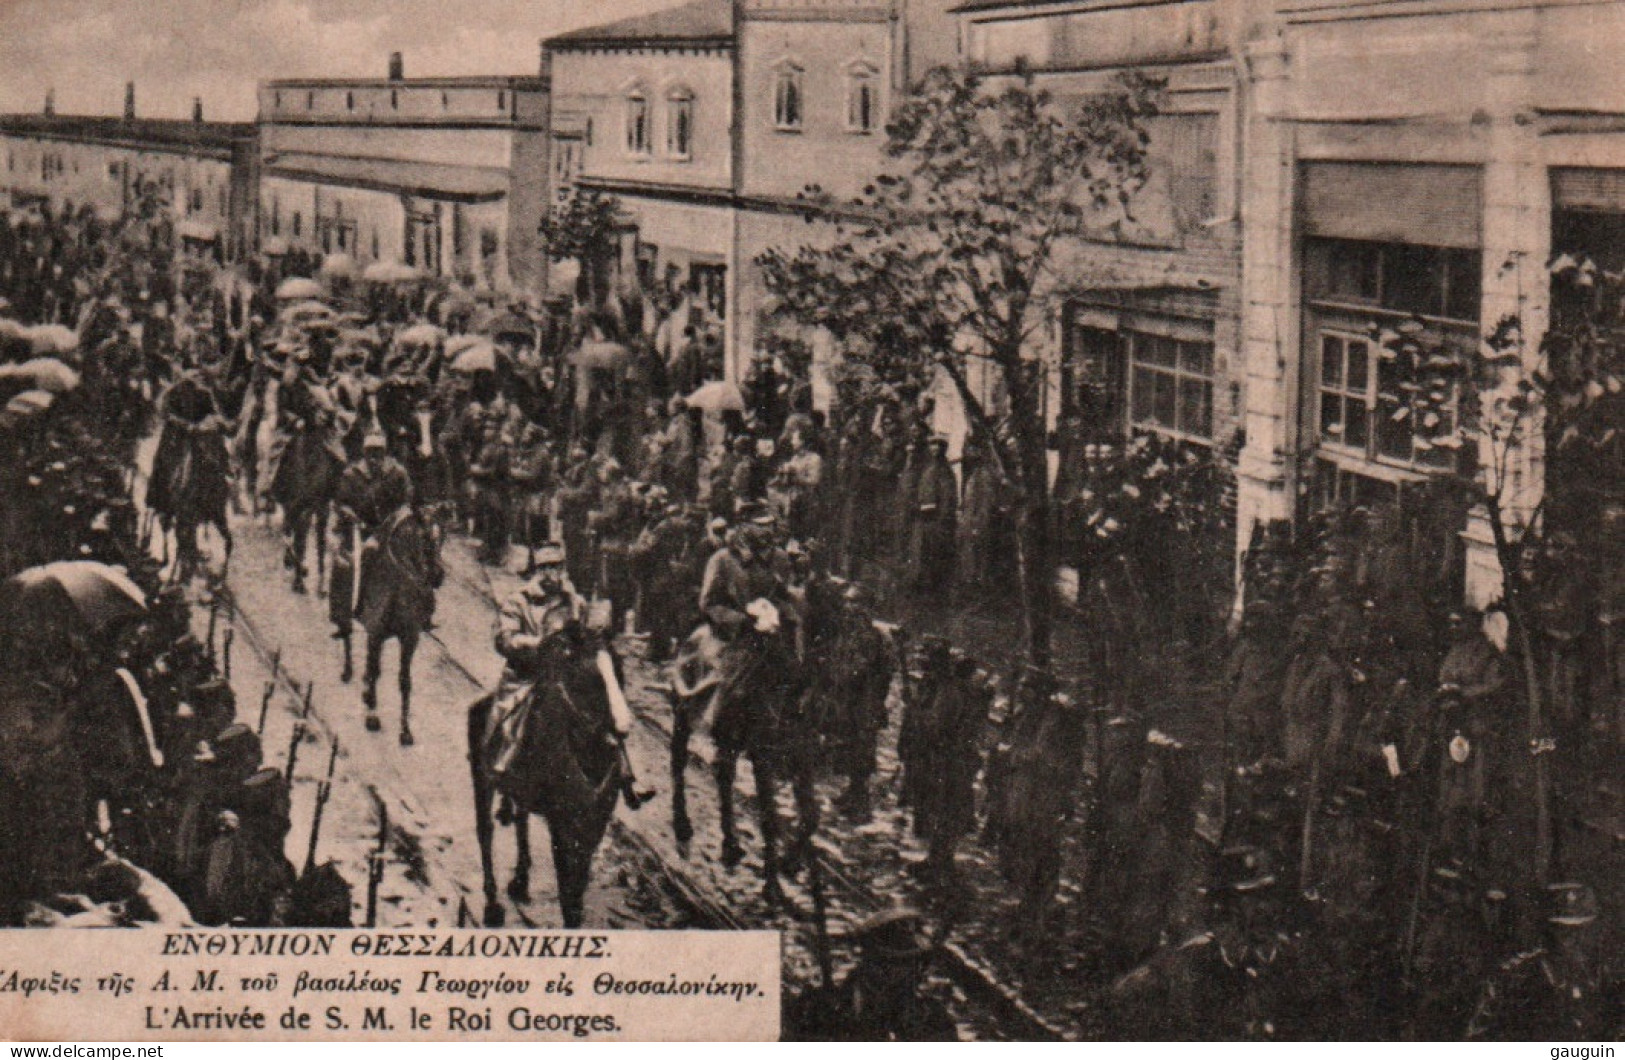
<point x="1402" y="278"/>
<point x="788" y="100"/>
<point x="1171" y="385"/>
<point x="680" y="123"/>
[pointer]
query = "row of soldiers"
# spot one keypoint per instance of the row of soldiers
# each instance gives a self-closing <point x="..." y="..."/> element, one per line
<point x="132" y="782"/>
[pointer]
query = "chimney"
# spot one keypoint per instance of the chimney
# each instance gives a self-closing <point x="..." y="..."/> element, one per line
<point x="129" y="101"/>
<point x="197" y="108"/>
<point x="50" y="102"/>
<point x="397" y="68"/>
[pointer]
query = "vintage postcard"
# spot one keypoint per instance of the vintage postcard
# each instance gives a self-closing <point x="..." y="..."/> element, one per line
<point x="886" y="520"/>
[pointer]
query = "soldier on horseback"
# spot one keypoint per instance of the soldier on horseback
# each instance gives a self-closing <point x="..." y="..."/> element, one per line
<point x="190" y="470"/>
<point x="369" y="491"/>
<point x="531" y="638"/>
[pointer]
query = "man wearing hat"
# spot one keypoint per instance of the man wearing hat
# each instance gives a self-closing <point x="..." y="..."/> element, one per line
<point x="1562" y="991"/>
<point x="880" y="1000"/>
<point x="369" y="492"/>
<point x="934" y="510"/>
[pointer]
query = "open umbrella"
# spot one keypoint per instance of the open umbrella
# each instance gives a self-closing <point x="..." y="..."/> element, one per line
<point x="100" y="595"/>
<point x="44" y="373"/>
<point x="600" y="354"/>
<point x="339" y="264"/>
<point x="390" y="272"/>
<point x="31" y="402"/>
<point x="297" y="289"/>
<point x="311" y="310"/>
<point x="511" y="325"/>
<point x="12" y="329"/>
<point x="479" y="357"/>
<point x="719" y="395"/>
<point x="420" y="335"/>
<point x="274" y="247"/>
<point x="49" y="340"/>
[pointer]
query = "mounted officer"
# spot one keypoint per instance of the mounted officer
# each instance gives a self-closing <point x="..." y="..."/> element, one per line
<point x="370" y="490"/>
<point x="535" y="636"/>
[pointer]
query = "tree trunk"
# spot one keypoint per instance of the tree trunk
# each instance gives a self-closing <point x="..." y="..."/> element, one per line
<point x="1036" y="544"/>
<point x="1517" y="618"/>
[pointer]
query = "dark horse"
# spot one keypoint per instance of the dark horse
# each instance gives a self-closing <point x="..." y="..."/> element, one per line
<point x="567" y="768"/>
<point x="755" y="692"/>
<point x="194" y="490"/>
<point x="306" y="481"/>
<point x="399" y="575"/>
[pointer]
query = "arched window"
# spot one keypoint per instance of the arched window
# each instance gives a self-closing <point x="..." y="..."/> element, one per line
<point x="637" y="122"/>
<point x="787" y="98"/>
<point x="502" y="101"/>
<point x="349" y="101"/>
<point x="680" y="122"/>
<point x="862" y="98"/>
<point x="310" y="101"/>
<point x="394" y="99"/>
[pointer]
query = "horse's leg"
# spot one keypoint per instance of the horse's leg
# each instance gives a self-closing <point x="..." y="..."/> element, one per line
<point x="519" y="886"/>
<point x="803" y="782"/>
<point x="723" y="768"/>
<point x="682" y="728"/>
<point x="301" y="526"/>
<point x="571" y="863"/>
<point x="225" y="535"/>
<point x="321" y="549"/>
<point x="369" y="689"/>
<point x="477" y="715"/>
<point x="409" y="645"/>
<point x="349" y="667"/>
<point x="767" y="810"/>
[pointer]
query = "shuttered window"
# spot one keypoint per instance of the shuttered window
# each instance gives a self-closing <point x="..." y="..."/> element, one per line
<point x="1424" y="205"/>
<point x="1589" y="189"/>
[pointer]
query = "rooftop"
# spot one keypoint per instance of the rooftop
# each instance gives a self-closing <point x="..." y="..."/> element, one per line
<point x="425" y="179"/>
<point x="975" y="6"/>
<point x="161" y="133"/>
<point x="698" y="22"/>
<point x="522" y="82"/>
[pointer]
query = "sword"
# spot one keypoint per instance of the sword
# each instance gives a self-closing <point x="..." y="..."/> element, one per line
<point x="355" y="568"/>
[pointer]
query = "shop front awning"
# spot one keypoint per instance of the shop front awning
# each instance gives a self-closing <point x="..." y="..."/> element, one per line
<point x="427" y="180"/>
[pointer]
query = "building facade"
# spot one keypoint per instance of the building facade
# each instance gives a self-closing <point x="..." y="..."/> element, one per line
<point x="1414" y="161"/>
<point x="706" y="122"/>
<point x="205" y="170"/>
<point x="644" y="111"/>
<point x="448" y="175"/>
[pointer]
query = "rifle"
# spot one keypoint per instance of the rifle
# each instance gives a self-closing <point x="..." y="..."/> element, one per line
<point x="323" y="792"/>
<point x="225" y="652"/>
<point x="815" y="882"/>
<point x="265" y="705"/>
<point x="214" y="619"/>
<point x="299" y="729"/>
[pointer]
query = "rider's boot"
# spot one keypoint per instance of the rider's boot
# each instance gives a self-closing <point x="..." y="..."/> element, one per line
<point x="635" y="796"/>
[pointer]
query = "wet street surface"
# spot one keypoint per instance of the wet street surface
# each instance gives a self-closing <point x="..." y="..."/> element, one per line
<point x="642" y="877"/>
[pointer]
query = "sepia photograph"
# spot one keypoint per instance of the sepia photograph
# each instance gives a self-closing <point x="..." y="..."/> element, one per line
<point x="821" y="520"/>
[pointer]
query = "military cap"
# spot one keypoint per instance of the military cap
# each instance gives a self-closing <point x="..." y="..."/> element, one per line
<point x="1571" y="904"/>
<point x="549" y="555"/>
<point x="374" y="440"/>
<point x="265" y="793"/>
<point x="896" y="934"/>
<point x="1243" y="870"/>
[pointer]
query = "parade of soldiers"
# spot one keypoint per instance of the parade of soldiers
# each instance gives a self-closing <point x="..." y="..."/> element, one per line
<point x="1358" y="830"/>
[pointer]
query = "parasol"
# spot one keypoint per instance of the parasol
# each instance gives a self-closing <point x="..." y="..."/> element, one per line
<point x="45" y="373"/>
<point x="511" y="325"/>
<point x="481" y="356"/>
<point x="12" y="329"/>
<point x="390" y="272"/>
<point x="339" y="264"/>
<point x="307" y="311"/>
<point x="420" y="335"/>
<point x="50" y="340"/>
<point x="274" y="247"/>
<point x="100" y="595"/>
<point x="600" y="354"/>
<point x="30" y="402"/>
<point x="298" y="288"/>
<point x="719" y="395"/>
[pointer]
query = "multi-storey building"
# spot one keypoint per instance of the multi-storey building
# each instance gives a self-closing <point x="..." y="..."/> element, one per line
<point x="1150" y="338"/>
<point x="206" y="169"/>
<point x="447" y="174"/>
<point x="705" y="121"/>
<point x="1410" y="160"/>
<point x="644" y="110"/>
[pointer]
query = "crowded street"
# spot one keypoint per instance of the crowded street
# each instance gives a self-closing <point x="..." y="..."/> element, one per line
<point x="539" y="579"/>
